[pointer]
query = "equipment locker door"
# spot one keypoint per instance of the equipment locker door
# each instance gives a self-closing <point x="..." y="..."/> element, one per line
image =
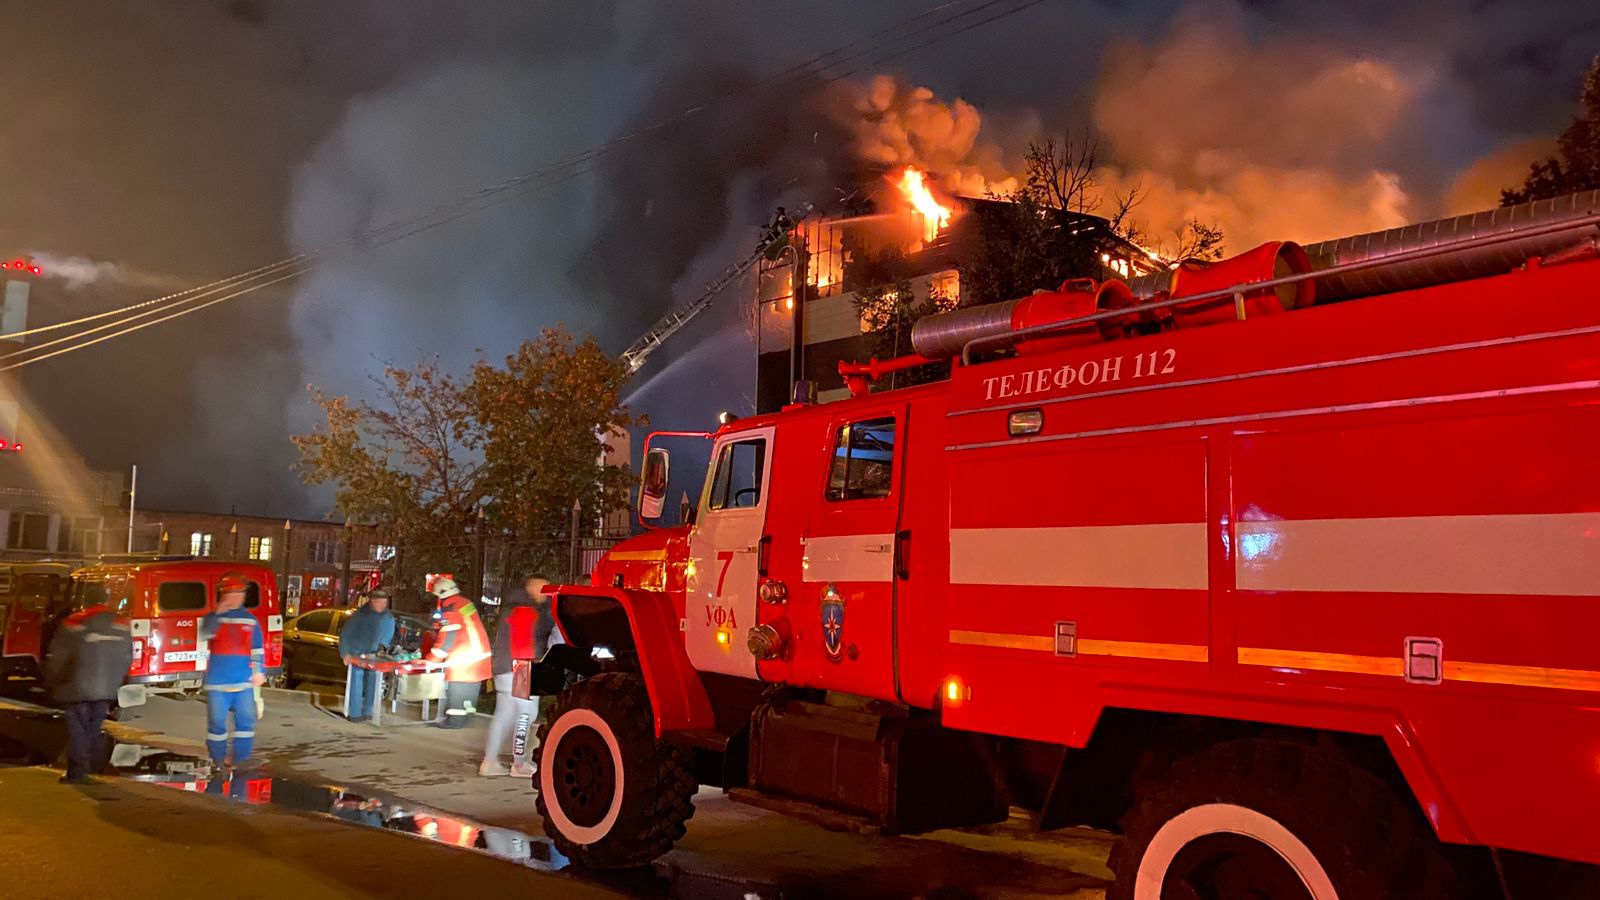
<point x="725" y="550"/>
<point x="854" y="555"/>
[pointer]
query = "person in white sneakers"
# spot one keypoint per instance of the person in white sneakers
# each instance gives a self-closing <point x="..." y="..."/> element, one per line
<point x="513" y="718"/>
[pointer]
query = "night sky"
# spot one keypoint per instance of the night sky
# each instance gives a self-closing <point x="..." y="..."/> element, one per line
<point x="177" y="141"/>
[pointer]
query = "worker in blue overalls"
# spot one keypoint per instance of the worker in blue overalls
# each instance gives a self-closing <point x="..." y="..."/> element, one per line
<point x="233" y="672"/>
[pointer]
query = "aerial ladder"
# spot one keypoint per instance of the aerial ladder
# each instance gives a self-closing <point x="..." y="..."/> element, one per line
<point x="671" y="323"/>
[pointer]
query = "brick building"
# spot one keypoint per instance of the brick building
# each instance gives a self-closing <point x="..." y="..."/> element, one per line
<point x="309" y="555"/>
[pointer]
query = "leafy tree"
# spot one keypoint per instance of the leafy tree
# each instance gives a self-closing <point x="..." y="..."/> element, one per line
<point x="547" y="415"/>
<point x="520" y="442"/>
<point x="887" y="312"/>
<point x="1036" y="240"/>
<point x="1576" y="166"/>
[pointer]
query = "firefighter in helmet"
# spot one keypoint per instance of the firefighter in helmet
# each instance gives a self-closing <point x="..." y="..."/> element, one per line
<point x="464" y="651"/>
<point x="233" y="671"/>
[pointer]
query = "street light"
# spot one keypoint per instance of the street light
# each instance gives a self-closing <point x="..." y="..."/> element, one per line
<point x="349" y="545"/>
<point x="288" y="537"/>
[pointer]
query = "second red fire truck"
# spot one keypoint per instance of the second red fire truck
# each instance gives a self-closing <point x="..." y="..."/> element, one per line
<point x="1285" y="567"/>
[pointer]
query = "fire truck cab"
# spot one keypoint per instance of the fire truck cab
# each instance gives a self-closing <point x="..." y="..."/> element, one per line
<point x="1293" y="581"/>
<point x="33" y="597"/>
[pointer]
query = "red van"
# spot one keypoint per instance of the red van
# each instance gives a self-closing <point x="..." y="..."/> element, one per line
<point x="33" y="597"/>
<point x="163" y="601"/>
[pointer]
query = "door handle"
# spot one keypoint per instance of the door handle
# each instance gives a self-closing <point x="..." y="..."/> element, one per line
<point x="762" y="551"/>
<point x="902" y="554"/>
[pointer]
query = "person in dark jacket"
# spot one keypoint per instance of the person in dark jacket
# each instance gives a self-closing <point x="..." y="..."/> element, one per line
<point x="513" y="717"/>
<point x="368" y="630"/>
<point x="88" y="661"/>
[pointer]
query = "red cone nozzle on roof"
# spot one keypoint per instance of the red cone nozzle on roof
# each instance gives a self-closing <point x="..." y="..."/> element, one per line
<point x="1076" y="297"/>
<point x="1274" y="259"/>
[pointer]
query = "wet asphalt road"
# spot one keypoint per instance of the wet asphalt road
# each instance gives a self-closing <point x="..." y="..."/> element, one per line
<point x="418" y="782"/>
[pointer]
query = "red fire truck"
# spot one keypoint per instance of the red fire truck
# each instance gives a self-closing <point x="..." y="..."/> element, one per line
<point x="1285" y="567"/>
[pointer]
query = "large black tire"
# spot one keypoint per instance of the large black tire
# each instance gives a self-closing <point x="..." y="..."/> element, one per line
<point x="1279" y="820"/>
<point x="600" y="814"/>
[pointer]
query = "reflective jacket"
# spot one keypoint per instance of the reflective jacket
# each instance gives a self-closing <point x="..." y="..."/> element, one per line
<point x="234" y="650"/>
<point x="89" y="656"/>
<point x="463" y="645"/>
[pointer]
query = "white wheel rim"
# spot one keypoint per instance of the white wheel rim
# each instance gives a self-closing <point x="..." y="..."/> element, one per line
<point x="579" y="834"/>
<point x="1227" y="818"/>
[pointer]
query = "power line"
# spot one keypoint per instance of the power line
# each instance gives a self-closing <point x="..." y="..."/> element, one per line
<point x="463" y="206"/>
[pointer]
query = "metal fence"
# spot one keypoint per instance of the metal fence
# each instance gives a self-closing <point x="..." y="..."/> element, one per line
<point x="488" y="567"/>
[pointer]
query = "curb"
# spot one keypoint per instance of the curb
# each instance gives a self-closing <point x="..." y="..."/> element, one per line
<point x="284" y="694"/>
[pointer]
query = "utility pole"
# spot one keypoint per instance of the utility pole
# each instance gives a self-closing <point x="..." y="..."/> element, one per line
<point x="797" y="349"/>
<point x="133" y="492"/>
<point x="577" y="528"/>
<point x="288" y="537"/>
<point x="477" y="557"/>
<point x="349" y="545"/>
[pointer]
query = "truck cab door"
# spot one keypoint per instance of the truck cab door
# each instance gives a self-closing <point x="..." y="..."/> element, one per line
<point x="726" y="554"/>
<point x="854" y="554"/>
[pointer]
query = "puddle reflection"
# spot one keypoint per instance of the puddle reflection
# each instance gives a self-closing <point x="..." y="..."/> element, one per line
<point x="155" y="765"/>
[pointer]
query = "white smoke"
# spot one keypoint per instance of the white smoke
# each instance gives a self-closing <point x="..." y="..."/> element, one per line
<point x="77" y="271"/>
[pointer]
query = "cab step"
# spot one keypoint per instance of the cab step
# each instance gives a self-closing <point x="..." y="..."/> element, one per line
<point x="897" y="773"/>
<point x="825" y="816"/>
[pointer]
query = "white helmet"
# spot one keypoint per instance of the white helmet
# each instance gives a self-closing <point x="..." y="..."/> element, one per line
<point x="444" y="588"/>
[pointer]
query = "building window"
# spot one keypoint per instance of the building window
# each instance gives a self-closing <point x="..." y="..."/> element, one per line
<point x="261" y="548"/>
<point x="824" y="244"/>
<point x="199" y="544"/>
<point x="85" y="536"/>
<point x="381" y="552"/>
<point x="324" y="551"/>
<point x="944" y="290"/>
<point x="30" y="531"/>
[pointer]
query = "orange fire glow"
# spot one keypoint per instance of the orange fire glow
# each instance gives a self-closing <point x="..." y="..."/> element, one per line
<point x="935" y="216"/>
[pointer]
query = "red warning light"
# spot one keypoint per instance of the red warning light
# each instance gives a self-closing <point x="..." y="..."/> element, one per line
<point x="36" y="270"/>
<point x="3" y="444"/>
<point x="19" y="265"/>
<point x="17" y="446"/>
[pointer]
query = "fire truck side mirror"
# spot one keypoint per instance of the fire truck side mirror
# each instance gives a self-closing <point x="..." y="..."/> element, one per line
<point x="653" y="483"/>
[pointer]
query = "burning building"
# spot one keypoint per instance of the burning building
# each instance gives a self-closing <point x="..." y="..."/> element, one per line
<point x="842" y="272"/>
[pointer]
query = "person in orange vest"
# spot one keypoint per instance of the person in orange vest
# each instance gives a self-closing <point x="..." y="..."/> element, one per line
<point x="463" y="649"/>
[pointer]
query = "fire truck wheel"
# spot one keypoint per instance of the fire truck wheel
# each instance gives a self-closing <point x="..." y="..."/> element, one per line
<point x="611" y="794"/>
<point x="1262" y="818"/>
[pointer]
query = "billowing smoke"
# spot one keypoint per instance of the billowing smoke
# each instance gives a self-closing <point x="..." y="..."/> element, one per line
<point x="894" y="124"/>
<point x="1270" y="139"/>
<point x="604" y="252"/>
<point x="1479" y="186"/>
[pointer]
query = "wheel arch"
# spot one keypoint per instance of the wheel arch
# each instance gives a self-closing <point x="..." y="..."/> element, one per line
<point x="1096" y="783"/>
<point x="641" y="626"/>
